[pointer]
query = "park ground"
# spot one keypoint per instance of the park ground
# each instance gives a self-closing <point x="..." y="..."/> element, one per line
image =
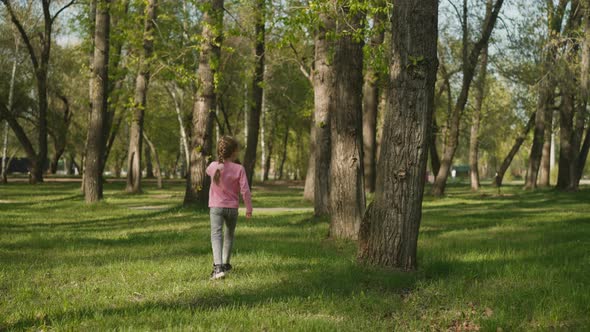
<point x="512" y="262"/>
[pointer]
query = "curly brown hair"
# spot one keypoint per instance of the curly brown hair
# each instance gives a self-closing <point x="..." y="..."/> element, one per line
<point x="226" y="147"/>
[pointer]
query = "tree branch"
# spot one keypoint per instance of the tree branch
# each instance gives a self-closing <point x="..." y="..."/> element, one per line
<point x="22" y="32"/>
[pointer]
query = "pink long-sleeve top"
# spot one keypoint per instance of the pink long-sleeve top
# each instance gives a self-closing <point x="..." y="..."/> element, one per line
<point x="232" y="182"/>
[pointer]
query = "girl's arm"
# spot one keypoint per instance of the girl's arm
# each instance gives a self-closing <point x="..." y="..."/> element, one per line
<point x="245" y="190"/>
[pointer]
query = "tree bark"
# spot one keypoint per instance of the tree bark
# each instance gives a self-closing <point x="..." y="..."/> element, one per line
<point x="257" y="89"/>
<point x="470" y="60"/>
<point x="93" y="191"/>
<point x="389" y="232"/>
<point x="197" y="183"/>
<point x="347" y="191"/>
<point x="323" y="86"/>
<point x="585" y="93"/>
<point x="371" y="106"/>
<point x="310" y="175"/>
<point x="513" y="151"/>
<point x="139" y="104"/>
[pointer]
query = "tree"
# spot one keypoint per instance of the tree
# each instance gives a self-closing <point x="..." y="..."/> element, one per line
<point x="476" y="116"/>
<point x="347" y="195"/>
<point x="5" y="159"/>
<point x="546" y="90"/>
<point x="197" y="183"/>
<point x="499" y="178"/>
<point x="371" y="91"/>
<point x="389" y="231"/>
<point x="257" y="91"/>
<point x="95" y="143"/>
<point x="139" y="104"/>
<point x="39" y="56"/>
<point x="323" y="86"/>
<point x="470" y="60"/>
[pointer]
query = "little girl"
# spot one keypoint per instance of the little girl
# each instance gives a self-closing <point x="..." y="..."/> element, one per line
<point x="229" y="179"/>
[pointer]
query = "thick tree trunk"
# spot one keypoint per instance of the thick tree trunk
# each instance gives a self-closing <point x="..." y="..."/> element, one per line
<point x="257" y="87"/>
<point x="95" y="138"/>
<point x="197" y="183"/>
<point x="310" y="175"/>
<point x="513" y="151"/>
<point x="323" y="86"/>
<point x="389" y="232"/>
<point x="566" y="118"/>
<point x="585" y="93"/>
<point x="470" y="60"/>
<point x="347" y="191"/>
<point x="141" y="89"/>
<point x="545" y="167"/>
<point x="476" y="116"/>
<point x="371" y="107"/>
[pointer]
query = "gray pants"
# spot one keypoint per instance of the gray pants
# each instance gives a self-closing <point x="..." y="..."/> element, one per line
<point x="222" y="246"/>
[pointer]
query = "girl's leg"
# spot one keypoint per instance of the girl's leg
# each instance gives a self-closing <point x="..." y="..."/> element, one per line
<point x="216" y="215"/>
<point x="231" y="219"/>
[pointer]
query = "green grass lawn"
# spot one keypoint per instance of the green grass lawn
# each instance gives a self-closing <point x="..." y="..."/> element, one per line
<point x="517" y="262"/>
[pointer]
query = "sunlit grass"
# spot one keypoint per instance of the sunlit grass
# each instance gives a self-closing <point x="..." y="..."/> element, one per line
<point x="516" y="261"/>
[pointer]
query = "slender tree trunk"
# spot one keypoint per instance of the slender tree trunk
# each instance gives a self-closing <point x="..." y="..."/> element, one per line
<point x="285" y="147"/>
<point x="154" y="152"/>
<point x="310" y="175"/>
<point x="323" y="86"/>
<point x="470" y="60"/>
<point x="389" y="232"/>
<point x="371" y="107"/>
<point x="513" y="151"/>
<point x="434" y="157"/>
<point x="113" y="122"/>
<point x="476" y="116"/>
<point x="347" y="190"/>
<point x="262" y="134"/>
<point x="141" y="89"/>
<point x="545" y="171"/>
<point x="4" y="170"/>
<point x="268" y="160"/>
<point x="197" y="184"/>
<point x="257" y="88"/>
<point x="539" y="135"/>
<point x="149" y="167"/>
<point x="178" y="107"/>
<point x="95" y="138"/>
